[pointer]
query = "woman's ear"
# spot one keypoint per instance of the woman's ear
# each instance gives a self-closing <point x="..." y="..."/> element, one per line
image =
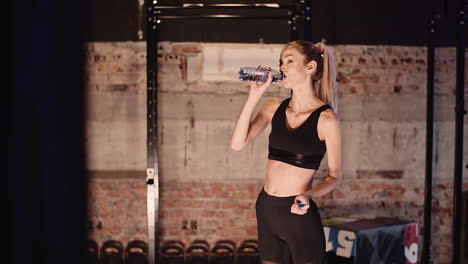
<point x="311" y="66"/>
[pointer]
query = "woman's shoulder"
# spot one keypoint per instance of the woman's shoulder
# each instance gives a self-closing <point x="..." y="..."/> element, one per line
<point x="328" y="118"/>
<point x="328" y="124"/>
<point x="329" y="113"/>
<point x="271" y="105"/>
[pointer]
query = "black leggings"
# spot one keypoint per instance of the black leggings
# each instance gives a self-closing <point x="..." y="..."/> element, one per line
<point x="283" y="236"/>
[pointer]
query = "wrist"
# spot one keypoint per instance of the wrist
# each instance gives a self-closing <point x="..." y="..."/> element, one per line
<point x="253" y="100"/>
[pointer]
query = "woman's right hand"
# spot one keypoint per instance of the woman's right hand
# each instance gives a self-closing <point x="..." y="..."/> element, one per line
<point x="258" y="88"/>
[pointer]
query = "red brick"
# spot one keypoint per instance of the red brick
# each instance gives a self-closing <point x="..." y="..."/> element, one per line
<point x="251" y="215"/>
<point x="190" y="232"/>
<point x="184" y="48"/>
<point x="197" y="204"/>
<point x="212" y="204"/>
<point x="231" y="187"/>
<point x="208" y="213"/>
<point x="107" y="186"/>
<point x="167" y="203"/>
<point x="116" y="230"/>
<point x="210" y="223"/>
<point x="184" y="213"/>
<point x="229" y="222"/>
<point x="221" y="214"/>
<point x="253" y="231"/>
<point x="219" y="194"/>
<point x="216" y="186"/>
<point x="192" y="194"/>
<point x="238" y="196"/>
<point x="174" y="232"/>
<point x="228" y="204"/>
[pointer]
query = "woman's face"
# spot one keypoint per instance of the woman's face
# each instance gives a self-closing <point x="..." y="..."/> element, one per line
<point x="293" y="66"/>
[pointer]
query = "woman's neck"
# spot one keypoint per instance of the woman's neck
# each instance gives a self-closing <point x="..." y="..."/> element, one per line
<point x="304" y="100"/>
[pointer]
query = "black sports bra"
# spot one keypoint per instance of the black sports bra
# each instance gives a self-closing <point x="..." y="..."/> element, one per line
<point x="300" y="147"/>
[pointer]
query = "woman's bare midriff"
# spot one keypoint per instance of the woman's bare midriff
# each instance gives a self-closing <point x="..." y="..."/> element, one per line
<point x="287" y="180"/>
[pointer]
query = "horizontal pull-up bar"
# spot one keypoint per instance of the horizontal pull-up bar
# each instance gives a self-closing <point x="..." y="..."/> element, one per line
<point x="222" y="16"/>
<point x="221" y="6"/>
<point x="176" y="12"/>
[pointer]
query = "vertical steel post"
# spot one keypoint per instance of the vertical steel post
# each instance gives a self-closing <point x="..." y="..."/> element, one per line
<point x="426" y="254"/>
<point x="459" y="114"/>
<point x="152" y="170"/>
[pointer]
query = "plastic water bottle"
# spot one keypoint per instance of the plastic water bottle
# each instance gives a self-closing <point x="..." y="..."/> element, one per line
<point x="254" y="74"/>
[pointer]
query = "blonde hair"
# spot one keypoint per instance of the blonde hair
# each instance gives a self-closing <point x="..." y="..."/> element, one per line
<point x="325" y="74"/>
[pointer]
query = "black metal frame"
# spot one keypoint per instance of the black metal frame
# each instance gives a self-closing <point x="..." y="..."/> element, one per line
<point x="459" y="114"/>
<point x="460" y="111"/>
<point x="152" y="167"/>
<point x="426" y="254"/>
<point x="300" y="9"/>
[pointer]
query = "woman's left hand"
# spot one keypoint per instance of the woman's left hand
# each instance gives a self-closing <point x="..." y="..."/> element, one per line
<point x="295" y="209"/>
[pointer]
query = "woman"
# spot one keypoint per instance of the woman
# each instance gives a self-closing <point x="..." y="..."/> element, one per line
<point x="304" y="127"/>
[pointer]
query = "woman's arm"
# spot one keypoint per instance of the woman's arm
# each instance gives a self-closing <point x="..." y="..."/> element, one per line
<point x="245" y="129"/>
<point x="332" y="135"/>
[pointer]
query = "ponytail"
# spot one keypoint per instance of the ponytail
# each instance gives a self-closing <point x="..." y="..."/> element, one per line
<point x="327" y="90"/>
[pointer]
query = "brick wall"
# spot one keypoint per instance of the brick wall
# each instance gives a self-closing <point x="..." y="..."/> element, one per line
<point x="208" y="191"/>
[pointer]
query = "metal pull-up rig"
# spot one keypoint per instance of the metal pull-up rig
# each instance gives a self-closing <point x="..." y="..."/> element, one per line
<point x="296" y="13"/>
